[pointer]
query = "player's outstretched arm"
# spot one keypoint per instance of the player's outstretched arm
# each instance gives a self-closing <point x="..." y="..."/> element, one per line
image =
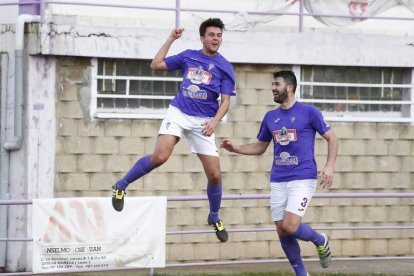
<point x="158" y="63"/>
<point x="248" y="149"/>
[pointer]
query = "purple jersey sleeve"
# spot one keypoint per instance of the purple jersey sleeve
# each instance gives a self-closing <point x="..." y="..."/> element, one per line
<point x="174" y="62"/>
<point x="318" y="122"/>
<point x="228" y="86"/>
<point x="265" y="134"/>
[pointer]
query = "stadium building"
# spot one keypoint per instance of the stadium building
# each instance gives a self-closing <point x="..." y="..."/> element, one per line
<point x="79" y="105"/>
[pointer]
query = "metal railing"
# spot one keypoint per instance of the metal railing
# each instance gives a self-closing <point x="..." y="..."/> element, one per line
<point x="247" y="197"/>
<point x="177" y="9"/>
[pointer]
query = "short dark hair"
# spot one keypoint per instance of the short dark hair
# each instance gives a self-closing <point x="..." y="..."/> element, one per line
<point x="288" y="76"/>
<point x="211" y="22"/>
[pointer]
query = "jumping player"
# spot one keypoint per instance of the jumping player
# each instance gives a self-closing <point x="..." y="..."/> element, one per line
<point x="293" y="179"/>
<point x="194" y="112"/>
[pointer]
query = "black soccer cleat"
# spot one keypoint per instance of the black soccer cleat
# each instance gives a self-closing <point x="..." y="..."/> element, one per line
<point x="218" y="226"/>
<point x="118" y="198"/>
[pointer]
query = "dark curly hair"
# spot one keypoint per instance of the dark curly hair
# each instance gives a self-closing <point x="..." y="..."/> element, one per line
<point x="288" y="76"/>
<point x="211" y="22"/>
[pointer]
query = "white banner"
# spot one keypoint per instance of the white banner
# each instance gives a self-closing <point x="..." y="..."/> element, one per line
<point x="244" y="21"/>
<point x="87" y="233"/>
<point x="353" y="8"/>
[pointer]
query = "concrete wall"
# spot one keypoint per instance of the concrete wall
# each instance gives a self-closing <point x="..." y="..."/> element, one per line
<point x="92" y="155"/>
<point x="267" y="47"/>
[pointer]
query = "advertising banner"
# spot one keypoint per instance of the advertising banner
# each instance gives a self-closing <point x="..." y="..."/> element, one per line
<point x="87" y="233"/>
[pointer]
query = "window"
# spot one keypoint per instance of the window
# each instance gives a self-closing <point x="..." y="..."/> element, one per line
<point x="129" y="89"/>
<point x="358" y="93"/>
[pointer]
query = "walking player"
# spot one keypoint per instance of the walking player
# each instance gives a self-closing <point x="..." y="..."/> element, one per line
<point x="293" y="178"/>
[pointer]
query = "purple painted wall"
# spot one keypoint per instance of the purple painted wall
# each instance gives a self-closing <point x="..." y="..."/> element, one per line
<point x="29" y="7"/>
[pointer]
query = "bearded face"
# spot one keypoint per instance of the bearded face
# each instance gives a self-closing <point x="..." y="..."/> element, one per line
<point x="279" y="89"/>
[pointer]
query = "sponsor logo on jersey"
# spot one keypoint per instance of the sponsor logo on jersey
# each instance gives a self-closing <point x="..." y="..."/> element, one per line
<point x="284" y="159"/>
<point x="284" y="136"/>
<point x="194" y="92"/>
<point x="198" y="75"/>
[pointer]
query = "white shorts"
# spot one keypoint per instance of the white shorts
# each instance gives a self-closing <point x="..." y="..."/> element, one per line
<point x="293" y="196"/>
<point x="177" y="123"/>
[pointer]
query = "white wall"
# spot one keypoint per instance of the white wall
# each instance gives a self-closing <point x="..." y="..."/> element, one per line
<point x="243" y="47"/>
<point x="8" y="14"/>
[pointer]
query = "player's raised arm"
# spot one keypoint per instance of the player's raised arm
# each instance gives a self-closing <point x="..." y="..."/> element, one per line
<point x="158" y="64"/>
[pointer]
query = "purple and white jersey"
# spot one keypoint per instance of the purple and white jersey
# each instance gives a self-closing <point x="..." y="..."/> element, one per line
<point x="204" y="79"/>
<point x="293" y="132"/>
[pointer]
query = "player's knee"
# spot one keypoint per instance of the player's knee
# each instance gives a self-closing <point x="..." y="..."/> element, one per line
<point x="289" y="228"/>
<point x="214" y="178"/>
<point x="281" y="232"/>
<point x="158" y="160"/>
